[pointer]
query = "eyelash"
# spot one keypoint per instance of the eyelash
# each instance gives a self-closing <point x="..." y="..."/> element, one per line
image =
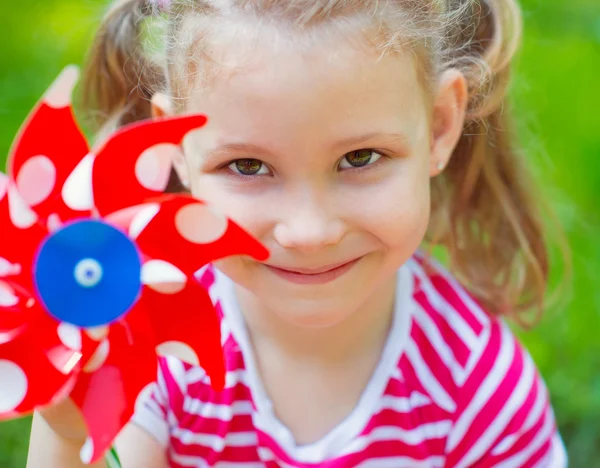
<point x="381" y="154"/>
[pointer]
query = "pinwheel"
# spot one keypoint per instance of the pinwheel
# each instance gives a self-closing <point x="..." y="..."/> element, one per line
<point x="97" y="266"/>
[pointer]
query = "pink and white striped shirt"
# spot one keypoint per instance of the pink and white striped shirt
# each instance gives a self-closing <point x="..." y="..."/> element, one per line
<point x="453" y="388"/>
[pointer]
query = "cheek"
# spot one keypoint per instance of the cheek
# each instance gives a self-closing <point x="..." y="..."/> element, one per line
<point x="400" y="223"/>
<point x="406" y="225"/>
<point x="237" y="269"/>
<point x="397" y="211"/>
<point x="245" y="209"/>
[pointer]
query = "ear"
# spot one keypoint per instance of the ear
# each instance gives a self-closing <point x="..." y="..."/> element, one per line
<point x="449" y="110"/>
<point x="161" y="106"/>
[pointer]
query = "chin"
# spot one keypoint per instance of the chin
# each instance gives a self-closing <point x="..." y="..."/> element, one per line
<point x="310" y="313"/>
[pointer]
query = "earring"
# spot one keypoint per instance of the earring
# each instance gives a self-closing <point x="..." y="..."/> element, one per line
<point x="439" y="166"/>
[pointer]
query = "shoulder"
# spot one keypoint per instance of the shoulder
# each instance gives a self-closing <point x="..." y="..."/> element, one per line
<point x="501" y="410"/>
<point x="451" y="334"/>
<point x="451" y="320"/>
<point x="443" y="299"/>
<point x="485" y="356"/>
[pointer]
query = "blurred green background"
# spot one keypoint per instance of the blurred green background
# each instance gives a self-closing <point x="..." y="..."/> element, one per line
<point x="556" y="91"/>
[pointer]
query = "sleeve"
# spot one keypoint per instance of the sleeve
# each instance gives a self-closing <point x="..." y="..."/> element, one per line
<point x="504" y="418"/>
<point x="159" y="405"/>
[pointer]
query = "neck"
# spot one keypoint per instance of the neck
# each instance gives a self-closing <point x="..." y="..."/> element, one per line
<point x="363" y="332"/>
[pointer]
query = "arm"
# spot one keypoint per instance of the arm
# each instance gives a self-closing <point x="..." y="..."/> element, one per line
<point x="145" y="440"/>
<point x="136" y="448"/>
<point x="504" y="417"/>
<point x="58" y="433"/>
<point x="47" y="449"/>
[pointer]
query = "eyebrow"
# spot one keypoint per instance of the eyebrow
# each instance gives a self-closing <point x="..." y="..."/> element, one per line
<point x="228" y="148"/>
<point x="396" y="138"/>
<point x="257" y="150"/>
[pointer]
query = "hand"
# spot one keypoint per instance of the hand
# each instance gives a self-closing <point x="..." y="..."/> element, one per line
<point x="66" y="420"/>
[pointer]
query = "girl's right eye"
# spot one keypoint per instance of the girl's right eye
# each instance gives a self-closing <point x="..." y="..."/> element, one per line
<point x="248" y="167"/>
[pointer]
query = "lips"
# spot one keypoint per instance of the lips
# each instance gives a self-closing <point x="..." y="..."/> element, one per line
<point x="314" y="275"/>
<point x="313" y="271"/>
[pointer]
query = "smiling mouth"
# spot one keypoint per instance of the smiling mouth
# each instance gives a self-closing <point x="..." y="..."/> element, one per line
<point x="314" y="276"/>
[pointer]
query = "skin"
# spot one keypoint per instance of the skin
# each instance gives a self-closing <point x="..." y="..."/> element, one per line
<point x="300" y="114"/>
<point x="279" y="157"/>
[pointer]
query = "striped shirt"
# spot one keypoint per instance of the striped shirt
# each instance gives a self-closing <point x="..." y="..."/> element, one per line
<point x="453" y="388"/>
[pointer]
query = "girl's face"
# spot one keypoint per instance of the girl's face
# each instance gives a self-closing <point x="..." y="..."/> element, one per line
<point x="325" y="156"/>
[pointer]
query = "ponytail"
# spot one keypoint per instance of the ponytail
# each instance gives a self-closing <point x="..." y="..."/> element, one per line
<point x="486" y="212"/>
<point x="119" y="80"/>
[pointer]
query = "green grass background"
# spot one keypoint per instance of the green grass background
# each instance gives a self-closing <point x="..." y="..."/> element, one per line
<point x="556" y="91"/>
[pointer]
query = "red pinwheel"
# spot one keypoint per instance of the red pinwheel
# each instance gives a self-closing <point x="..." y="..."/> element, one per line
<point x="97" y="266"/>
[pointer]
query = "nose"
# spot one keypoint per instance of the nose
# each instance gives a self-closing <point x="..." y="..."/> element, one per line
<point x="307" y="224"/>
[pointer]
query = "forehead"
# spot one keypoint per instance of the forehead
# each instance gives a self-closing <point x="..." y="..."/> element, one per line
<point x="330" y="84"/>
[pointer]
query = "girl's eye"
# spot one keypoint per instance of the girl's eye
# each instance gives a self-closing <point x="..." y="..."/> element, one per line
<point x="249" y="167"/>
<point x="359" y="158"/>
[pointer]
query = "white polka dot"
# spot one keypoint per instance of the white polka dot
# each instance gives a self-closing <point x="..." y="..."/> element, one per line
<point x="77" y="192"/>
<point x="7" y="296"/>
<point x="53" y="223"/>
<point x="200" y="224"/>
<point x="133" y="219"/>
<point x="163" y="277"/>
<point x="70" y="336"/>
<point x="36" y="179"/>
<point x="98" y="358"/>
<point x="3" y="184"/>
<point x="142" y="219"/>
<point x="21" y="215"/>
<point x="14" y="386"/>
<point x="87" y="451"/>
<point x="59" y="94"/>
<point x="179" y="350"/>
<point x="7" y="268"/>
<point x="153" y="167"/>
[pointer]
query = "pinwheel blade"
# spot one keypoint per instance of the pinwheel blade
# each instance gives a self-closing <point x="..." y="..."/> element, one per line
<point x="20" y="234"/>
<point x="17" y="310"/>
<point x="191" y="329"/>
<point x="37" y="367"/>
<point x="47" y="150"/>
<point x="124" y="363"/>
<point x="144" y="152"/>
<point x="189" y="234"/>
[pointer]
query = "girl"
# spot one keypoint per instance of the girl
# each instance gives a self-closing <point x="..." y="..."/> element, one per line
<point x="346" y="135"/>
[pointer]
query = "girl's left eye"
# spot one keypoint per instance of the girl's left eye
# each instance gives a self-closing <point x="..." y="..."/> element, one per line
<point x="359" y="158"/>
<point x="249" y="167"/>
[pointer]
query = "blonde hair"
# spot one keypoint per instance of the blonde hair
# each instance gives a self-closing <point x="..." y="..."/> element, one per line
<point x="485" y="211"/>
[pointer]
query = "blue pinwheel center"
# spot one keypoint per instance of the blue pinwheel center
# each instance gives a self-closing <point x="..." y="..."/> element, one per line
<point x="88" y="273"/>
